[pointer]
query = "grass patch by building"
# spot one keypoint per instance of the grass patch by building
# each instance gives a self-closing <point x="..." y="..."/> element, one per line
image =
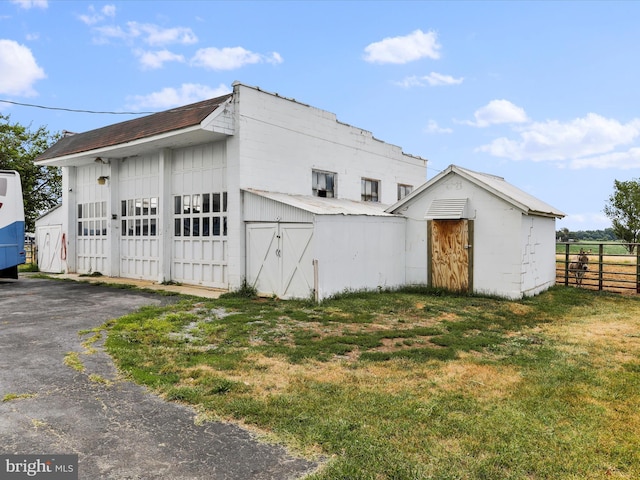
<point x="409" y="385"/>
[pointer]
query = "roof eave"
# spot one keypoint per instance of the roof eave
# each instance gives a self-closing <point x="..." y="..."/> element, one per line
<point x="129" y="149"/>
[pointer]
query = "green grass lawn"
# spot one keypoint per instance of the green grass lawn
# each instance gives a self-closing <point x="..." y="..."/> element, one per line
<point x="409" y="385"/>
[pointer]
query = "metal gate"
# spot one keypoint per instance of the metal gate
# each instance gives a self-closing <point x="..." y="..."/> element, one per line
<point x="279" y="259"/>
<point x="450" y="254"/>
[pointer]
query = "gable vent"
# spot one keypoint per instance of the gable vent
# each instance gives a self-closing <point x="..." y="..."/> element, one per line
<point x="447" y="209"/>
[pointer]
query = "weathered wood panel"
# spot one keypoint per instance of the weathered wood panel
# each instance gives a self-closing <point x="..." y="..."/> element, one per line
<point x="449" y="243"/>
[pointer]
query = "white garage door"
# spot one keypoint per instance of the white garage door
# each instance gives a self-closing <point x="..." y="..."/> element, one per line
<point x="200" y="239"/>
<point x="279" y="259"/>
<point x="198" y="185"/>
<point x="139" y="217"/>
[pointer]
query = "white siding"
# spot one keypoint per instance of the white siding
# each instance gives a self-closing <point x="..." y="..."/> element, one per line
<point x="359" y="252"/>
<point x="538" y="254"/>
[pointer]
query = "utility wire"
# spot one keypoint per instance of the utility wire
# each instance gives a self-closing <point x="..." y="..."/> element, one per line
<point x="74" y="110"/>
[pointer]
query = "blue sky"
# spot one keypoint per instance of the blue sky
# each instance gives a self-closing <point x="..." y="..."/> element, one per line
<point x="544" y="94"/>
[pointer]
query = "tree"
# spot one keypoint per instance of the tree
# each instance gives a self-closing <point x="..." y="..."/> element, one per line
<point x="563" y="234"/>
<point x="623" y="208"/>
<point x="41" y="186"/>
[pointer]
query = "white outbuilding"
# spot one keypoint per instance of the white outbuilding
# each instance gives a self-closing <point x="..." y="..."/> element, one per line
<point x="474" y="232"/>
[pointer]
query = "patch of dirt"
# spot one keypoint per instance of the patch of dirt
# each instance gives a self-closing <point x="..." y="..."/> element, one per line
<point x="482" y="381"/>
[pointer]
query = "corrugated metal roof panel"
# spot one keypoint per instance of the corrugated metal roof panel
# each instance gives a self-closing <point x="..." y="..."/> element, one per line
<point x="496" y="185"/>
<point x="447" y="208"/>
<point x="325" y="206"/>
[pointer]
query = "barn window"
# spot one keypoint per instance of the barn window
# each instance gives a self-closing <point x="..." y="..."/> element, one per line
<point x="323" y="184"/>
<point x="200" y="215"/>
<point x="404" y="190"/>
<point x="139" y="217"/>
<point x="370" y="190"/>
<point x="92" y="219"/>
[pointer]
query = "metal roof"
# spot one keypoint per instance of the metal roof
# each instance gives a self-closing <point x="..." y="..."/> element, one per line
<point x="498" y="186"/>
<point x="325" y="206"/>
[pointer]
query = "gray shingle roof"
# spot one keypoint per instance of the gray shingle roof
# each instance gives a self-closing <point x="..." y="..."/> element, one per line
<point x="131" y="130"/>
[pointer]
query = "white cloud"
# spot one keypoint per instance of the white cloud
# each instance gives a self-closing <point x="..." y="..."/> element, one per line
<point x="148" y="33"/>
<point x="581" y="221"/>
<point x="433" y="128"/>
<point x="405" y="49"/>
<point x="155" y="60"/>
<point x="231" y="58"/>
<point x="155" y="35"/>
<point x="588" y="141"/>
<point x="27" y="4"/>
<point x="433" y="80"/>
<point x="497" y="112"/>
<point x="172" y="97"/>
<point x="621" y="160"/>
<point x="20" y="69"/>
<point x="95" y="16"/>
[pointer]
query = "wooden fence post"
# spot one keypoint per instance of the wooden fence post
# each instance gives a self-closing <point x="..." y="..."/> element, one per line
<point x="600" y="265"/>
<point x="566" y="265"/>
<point x="637" y="268"/>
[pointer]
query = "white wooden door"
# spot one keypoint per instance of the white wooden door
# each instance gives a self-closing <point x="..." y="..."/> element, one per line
<point x="50" y="252"/>
<point x="279" y="259"/>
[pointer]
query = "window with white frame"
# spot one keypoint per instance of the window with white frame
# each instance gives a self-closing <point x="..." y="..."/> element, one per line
<point x="370" y="190"/>
<point x="324" y="184"/>
<point x="139" y="217"/>
<point x="92" y="219"/>
<point x="404" y="190"/>
<point x="200" y="215"/>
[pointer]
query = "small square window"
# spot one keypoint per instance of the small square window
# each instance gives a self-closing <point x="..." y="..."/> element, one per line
<point x="370" y="190"/>
<point x="323" y="184"/>
<point x="404" y="190"/>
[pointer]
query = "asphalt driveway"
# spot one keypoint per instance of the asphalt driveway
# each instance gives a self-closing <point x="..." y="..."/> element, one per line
<point x="118" y="430"/>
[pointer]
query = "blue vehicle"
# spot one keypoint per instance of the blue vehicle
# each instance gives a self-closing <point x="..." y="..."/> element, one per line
<point x="12" y="252"/>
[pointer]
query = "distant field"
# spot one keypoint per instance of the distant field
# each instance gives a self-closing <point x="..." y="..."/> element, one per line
<point x="609" y="248"/>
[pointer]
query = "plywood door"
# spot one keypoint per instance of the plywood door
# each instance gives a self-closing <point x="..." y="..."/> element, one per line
<point x="279" y="259"/>
<point x="450" y="254"/>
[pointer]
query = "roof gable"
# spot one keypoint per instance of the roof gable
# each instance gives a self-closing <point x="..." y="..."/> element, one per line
<point x="495" y="185"/>
<point x="124" y="132"/>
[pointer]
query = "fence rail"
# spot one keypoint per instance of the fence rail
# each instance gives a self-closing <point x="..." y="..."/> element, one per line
<point x="611" y="265"/>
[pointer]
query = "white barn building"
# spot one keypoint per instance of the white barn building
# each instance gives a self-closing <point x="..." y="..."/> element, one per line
<point x="257" y="187"/>
<point x="249" y="185"/>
